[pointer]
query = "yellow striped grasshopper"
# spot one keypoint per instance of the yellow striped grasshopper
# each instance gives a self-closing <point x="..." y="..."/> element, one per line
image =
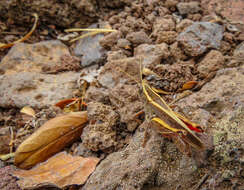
<point x="169" y="123"/>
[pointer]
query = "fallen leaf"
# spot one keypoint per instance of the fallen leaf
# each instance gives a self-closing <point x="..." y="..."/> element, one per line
<point x="71" y="105"/>
<point x="60" y="170"/>
<point x="28" y="110"/>
<point x="61" y="104"/>
<point x="189" y="85"/>
<point x="50" y="138"/>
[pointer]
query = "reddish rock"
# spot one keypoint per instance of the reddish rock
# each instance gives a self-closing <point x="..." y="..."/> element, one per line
<point x="213" y="61"/>
<point x="190" y="7"/>
<point x="126" y="98"/>
<point x="166" y="36"/>
<point x="137" y="38"/>
<point x="113" y="55"/>
<point x="110" y="40"/>
<point x="183" y="24"/>
<point x="123" y="43"/>
<point x="231" y="9"/>
<point x="176" y="52"/>
<point x="163" y="24"/>
<point x="100" y="134"/>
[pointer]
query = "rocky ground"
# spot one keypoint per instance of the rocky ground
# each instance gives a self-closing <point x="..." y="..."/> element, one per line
<point x="180" y="41"/>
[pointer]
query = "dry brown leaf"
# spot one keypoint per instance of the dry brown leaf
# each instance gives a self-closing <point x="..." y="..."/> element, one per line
<point x="61" y="104"/>
<point x="50" y="138"/>
<point x="189" y="85"/>
<point x="60" y="170"/>
<point x="28" y="110"/>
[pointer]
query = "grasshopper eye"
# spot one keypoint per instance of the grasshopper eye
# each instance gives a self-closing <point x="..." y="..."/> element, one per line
<point x="182" y="133"/>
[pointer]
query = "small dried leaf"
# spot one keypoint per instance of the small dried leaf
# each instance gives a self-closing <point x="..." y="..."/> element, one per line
<point x="189" y="85"/>
<point x="28" y="110"/>
<point x="61" y="104"/>
<point x="50" y="138"/>
<point x="60" y="170"/>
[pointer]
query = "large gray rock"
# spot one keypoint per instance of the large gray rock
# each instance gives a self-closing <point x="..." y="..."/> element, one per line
<point x="199" y="37"/>
<point x="130" y="168"/>
<point x="35" y="89"/>
<point x="220" y="96"/>
<point x="90" y="50"/>
<point x="36" y="57"/>
<point x="24" y="79"/>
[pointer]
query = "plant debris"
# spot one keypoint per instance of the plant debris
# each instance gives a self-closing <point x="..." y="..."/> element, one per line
<point x="49" y="139"/>
<point x="61" y="170"/>
<point x="2" y="45"/>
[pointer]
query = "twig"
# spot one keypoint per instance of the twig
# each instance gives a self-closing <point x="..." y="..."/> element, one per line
<point x="202" y="181"/>
<point x="2" y="45"/>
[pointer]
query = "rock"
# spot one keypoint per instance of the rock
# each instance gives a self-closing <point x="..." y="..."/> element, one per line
<point x="152" y="54"/>
<point x="220" y="96"/>
<point x="7" y="181"/>
<point x="126" y="99"/>
<point x="138" y="168"/>
<point x="35" y="89"/>
<point x="115" y="55"/>
<point x="213" y="61"/>
<point x="94" y="94"/>
<point x="163" y="24"/>
<point x="24" y="81"/>
<point x="183" y="24"/>
<point x="172" y="77"/>
<point x="79" y="149"/>
<point x="123" y="43"/>
<point x="228" y="136"/>
<point x="24" y="57"/>
<point x="176" y="52"/>
<point x="239" y="52"/>
<point x="188" y="7"/>
<point x="170" y="4"/>
<point x="110" y="40"/>
<point x="166" y="37"/>
<point x="82" y="13"/>
<point x="238" y="56"/>
<point x="231" y="10"/>
<point x="199" y="37"/>
<point x="89" y="49"/>
<point x="100" y="134"/>
<point x="137" y="38"/>
<point x="130" y="168"/>
<point x="119" y="71"/>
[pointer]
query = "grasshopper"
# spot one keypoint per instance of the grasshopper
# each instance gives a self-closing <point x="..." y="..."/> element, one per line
<point x="169" y="123"/>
